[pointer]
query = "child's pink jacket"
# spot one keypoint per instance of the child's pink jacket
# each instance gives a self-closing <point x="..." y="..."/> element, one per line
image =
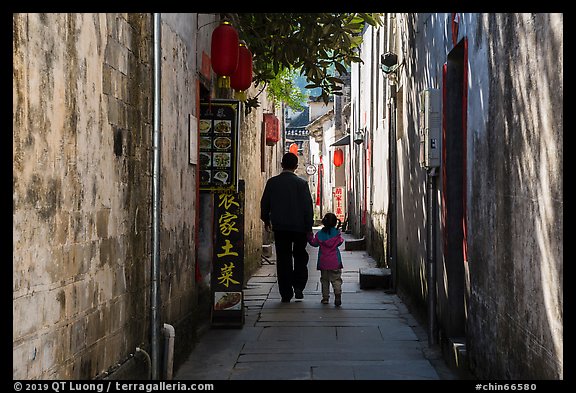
<point x="329" y="257"/>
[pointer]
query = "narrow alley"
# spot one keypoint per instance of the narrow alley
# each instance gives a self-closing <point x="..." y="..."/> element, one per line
<point x="143" y="146"/>
<point x="371" y="336"/>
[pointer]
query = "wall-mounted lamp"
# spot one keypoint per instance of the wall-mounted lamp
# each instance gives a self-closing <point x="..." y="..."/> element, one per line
<point x="388" y="62"/>
<point x="359" y="136"/>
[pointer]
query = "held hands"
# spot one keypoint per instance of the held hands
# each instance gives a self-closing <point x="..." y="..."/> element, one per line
<point x="310" y="236"/>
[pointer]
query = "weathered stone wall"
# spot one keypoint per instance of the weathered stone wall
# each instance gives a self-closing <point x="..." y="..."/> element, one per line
<point x="250" y="169"/>
<point x="377" y="144"/>
<point x="180" y="307"/>
<point x="81" y="186"/>
<point x="510" y="286"/>
<point x="513" y="186"/>
<point x="83" y="112"/>
<point x="515" y="317"/>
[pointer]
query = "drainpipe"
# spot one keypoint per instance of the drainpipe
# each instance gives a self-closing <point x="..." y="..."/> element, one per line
<point x="358" y="196"/>
<point x="431" y="255"/>
<point x="148" y="361"/>
<point x="392" y="203"/>
<point x="155" y="274"/>
<point x="169" y="337"/>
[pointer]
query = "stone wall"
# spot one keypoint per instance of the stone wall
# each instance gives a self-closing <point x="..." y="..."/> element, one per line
<point x="81" y="186"/>
<point x="508" y="289"/>
<point x="252" y="147"/>
<point x="499" y="287"/>
<point x="82" y="189"/>
<point x="515" y="318"/>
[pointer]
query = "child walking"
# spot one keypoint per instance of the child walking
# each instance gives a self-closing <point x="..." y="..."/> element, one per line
<point x="329" y="258"/>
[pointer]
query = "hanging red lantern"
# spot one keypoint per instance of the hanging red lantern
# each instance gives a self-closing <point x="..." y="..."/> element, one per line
<point x="294" y="148"/>
<point x="241" y="79"/>
<point x="224" y="53"/>
<point x="338" y="157"/>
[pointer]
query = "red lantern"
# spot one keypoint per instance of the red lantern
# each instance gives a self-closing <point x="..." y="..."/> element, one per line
<point x="241" y="79"/>
<point x="338" y="157"/>
<point x="294" y="148"/>
<point x="224" y="52"/>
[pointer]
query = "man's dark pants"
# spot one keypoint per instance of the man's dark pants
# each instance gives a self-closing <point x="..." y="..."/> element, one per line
<point x="291" y="261"/>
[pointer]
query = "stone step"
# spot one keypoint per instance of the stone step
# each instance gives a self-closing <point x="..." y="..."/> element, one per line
<point x="355" y="244"/>
<point x="267" y="250"/>
<point x="373" y="277"/>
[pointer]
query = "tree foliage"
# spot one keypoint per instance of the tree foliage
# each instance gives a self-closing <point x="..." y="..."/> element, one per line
<point x="283" y="89"/>
<point x="313" y="44"/>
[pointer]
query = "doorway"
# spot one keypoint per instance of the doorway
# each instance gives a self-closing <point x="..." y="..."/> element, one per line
<point x="454" y="107"/>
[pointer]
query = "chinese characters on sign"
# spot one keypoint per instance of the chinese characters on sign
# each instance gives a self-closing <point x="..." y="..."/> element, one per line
<point x="296" y="133"/>
<point x="339" y="203"/>
<point x="218" y="142"/>
<point x="228" y="258"/>
<point x="272" y="128"/>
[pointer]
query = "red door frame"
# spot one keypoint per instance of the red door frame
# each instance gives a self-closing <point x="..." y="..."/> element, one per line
<point x="464" y="152"/>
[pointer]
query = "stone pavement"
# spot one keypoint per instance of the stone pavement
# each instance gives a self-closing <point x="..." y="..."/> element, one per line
<point x="372" y="336"/>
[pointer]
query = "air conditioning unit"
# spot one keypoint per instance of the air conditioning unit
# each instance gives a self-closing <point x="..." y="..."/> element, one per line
<point x="430" y="131"/>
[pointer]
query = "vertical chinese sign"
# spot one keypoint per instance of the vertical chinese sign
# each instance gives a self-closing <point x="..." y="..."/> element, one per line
<point x="218" y="142"/>
<point x="228" y="258"/>
<point x="339" y="203"/>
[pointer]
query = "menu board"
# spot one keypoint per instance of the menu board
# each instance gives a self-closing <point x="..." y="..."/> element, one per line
<point x="227" y="278"/>
<point x="218" y="144"/>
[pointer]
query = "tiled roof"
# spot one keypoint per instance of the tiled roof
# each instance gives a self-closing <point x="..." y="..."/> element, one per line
<point x="300" y="121"/>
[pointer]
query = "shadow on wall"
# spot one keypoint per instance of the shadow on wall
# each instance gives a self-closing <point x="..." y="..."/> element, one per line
<point x="516" y="258"/>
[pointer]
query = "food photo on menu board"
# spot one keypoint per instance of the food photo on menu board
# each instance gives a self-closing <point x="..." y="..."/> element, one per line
<point x="205" y="143"/>
<point x="205" y="126"/>
<point x="222" y="126"/>
<point x="205" y="160"/>
<point x="222" y="176"/>
<point x="205" y="176"/>
<point x="221" y="160"/>
<point x="222" y="143"/>
<point x="227" y="301"/>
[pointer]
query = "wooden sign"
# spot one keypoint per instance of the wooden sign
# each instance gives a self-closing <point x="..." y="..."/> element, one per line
<point x="228" y="258"/>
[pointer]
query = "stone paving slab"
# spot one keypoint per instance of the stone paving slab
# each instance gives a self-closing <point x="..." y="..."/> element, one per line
<point x="329" y="312"/>
<point x="335" y="370"/>
<point x="342" y="358"/>
<point x="266" y="346"/>
<point x="370" y="337"/>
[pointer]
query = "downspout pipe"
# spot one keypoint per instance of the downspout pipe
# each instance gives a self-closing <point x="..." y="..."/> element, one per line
<point x="169" y="337"/>
<point x="155" y="273"/>
<point x="392" y="204"/>
<point x="431" y="254"/>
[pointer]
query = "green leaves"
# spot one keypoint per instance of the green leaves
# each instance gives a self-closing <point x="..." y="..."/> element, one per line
<point x="282" y="89"/>
<point x="320" y="45"/>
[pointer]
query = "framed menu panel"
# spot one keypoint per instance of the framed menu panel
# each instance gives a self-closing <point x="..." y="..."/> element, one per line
<point x="218" y="144"/>
<point x="227" y="278"/>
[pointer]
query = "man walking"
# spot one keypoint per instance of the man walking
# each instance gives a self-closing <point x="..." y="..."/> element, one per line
<point x="286" y="208"/>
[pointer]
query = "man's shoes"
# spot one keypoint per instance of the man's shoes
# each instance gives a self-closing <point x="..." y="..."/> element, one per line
<point x="324" y="300"/>
<point x="286" y="300"/>
<point x="298" y="294"/>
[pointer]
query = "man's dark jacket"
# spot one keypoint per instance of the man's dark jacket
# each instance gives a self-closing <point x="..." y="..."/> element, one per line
<point x="287" y="204"/>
